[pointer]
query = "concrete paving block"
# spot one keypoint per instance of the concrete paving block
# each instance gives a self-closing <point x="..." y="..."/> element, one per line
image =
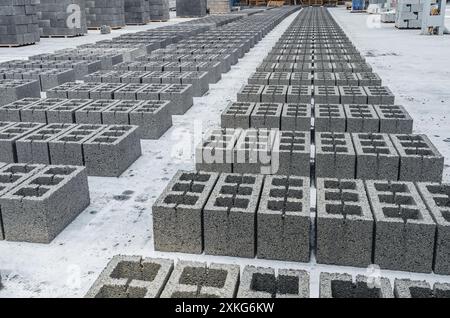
<point x="368" y="79"/>
<point x="274" y="94"/>
<point x="178" y="212"/>
<point x="361" y="118"/>
<point x="406" y="288"/>
<point x="250" y="93"/>
<point x="198" y="280"/>
<point x="260" y="78"/>
<point x="65" y="112"/>
<point x="230" y="215"/>
<point x="326" y="94"/>
<point x="67" y="148"/>
<point x="352" y="95"/>
<point x="344" y="223"/>
<point x="112" y="151"/>
<point x="266" y="115"/>
<point x="437" y="197"/>
<point x="419" y="158"/>
<point x="119" y="114"/>
<point x="296" y="117"/>
<point x="37" y="113"/>
<point x="153" y="118"/>
<point x="180" y="96"/>
<point x="299" y="94"/>
<point x="394" y="119"/>
<point x="34" y="148"/>
<point x="330" y="117"/>
<point x="379" y="95"/>
<point x="216" y="152"/>
<point x="259" y="282"/>
<point x="376" y="157"/>
<point x="335" y="156"/>
<point x="236" y="115"/>
<point x="11" y="112"/>
<point x="132" y="277"/>
<point x="48" y="202"/>
<point x="92" y="113"/>
<point x="324" y="78"/>
<point x="334" y="285"/>
<point x="283" y="219"/>
<point x="9" y="136"/>
<point x="405" y="231"/>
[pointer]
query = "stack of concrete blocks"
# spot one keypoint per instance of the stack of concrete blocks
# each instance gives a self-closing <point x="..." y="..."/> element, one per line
<point x="259" y="282"/>
<point x="191" y="8"/>
<point x="409" y="14"/>
<point x="19" y="22"/>
<point x="406" y="288"/>
<point x="198" y="280"/>
<point x="230" y="215"/>
<point x="334" y="285"/>
<point x="283" y="219"/>
<point x="178" y="212"/>
<point x="137" y="12"/>
<point x="12" y="89"/>
<point x="159" y="10"/>
<point x="105" y="12"/>
<point x="219" y="6"/>
<point x="62" y="18"/>
<point x="388" y="17"/>
<point x="132" y="277"/>
<point x="41" y="207"/>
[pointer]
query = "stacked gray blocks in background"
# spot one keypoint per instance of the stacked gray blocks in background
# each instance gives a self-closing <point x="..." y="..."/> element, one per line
<point x="19" y="22"/>
<point x="105" y="12"/>
<point x="191" y="8"/>
<point x="159" y="10"/>
<point x="137" y="11"/>
<point x="62" y="17"/>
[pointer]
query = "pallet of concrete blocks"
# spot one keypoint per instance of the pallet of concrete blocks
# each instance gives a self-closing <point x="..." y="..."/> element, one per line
<point x="408" y="14"/>
<point x="230" y="215"/>
<point x="178" y="212"/>
<point x="105" y="12"/>
<point x="112" y="151"/>
<point x="344" y="223"/>
<point x="336" y="285"/>
<point x="159" y="10"/>
<point x="8" y="137"/>
<point x="406" y="288"/>
<point x="137" y="12"/>
<point x="260" y="282"/>
<point x="48" y="202"/>
<point x="62" y="18"/>
<point x="199" y="280"/>
<point x="19" y="23"/>
<point x="132" y="277"/>
<point x="12" y="90"/>
<point x="405" y="230"/>
<point x="219" y="6"/>
<point x="216" y="151"/>
<point x="283" y="219"/>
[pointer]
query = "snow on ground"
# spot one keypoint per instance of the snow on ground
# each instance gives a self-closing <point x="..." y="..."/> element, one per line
<point x="119" y="218"/>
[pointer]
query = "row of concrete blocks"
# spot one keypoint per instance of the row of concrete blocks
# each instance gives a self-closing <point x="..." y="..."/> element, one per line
<point x="106" y="151"/>
<point x="319" y="78"/>
<point x="392" y="119"/>
<point x="47" y="78"/>
<point x="107" y="60"/>
<point x="191" y="8"/>
<point x="396" y="225"/>
<point x="107" y="55"/>
<point x="55" y="17"/>
<point x="180" y="95"/>
<point x="198" y="80"/>
<point x="15" y="89"/>
<point x="37" y="201"/>
<point x="337" y="155"/>
<point x="81" y="68"/>
<point x="345" y="67"/>
<point x="299" y="49"/>
<point x="138" y="277"/>
<point x="152" y="117"/>
<point x="303" y="94"/>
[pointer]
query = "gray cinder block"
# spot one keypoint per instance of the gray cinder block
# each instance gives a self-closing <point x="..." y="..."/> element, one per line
<point x="112" y="151"/>
<point x="346" y="79"/>
<point x="11" y="112"/>
<point x="62" y="91"/>
<point x="9" y="136"/>
<point x="299" y="94"/>
<point x="260" y="78"/>
<point x="344" y="223"/>
<point x="16" y="89"/>
<point x="48" y="202"/>
<point x="379" y="95"/>
<point x="326" y="94"/>
<point x="250" y="93"/>
<point x="38" y="111"/>
<point x="92" y="113"/>
<point x="342" y="286"/>
<point x="274" y="94"/>
<point x="152" y="117"/>
<point x="236" y="115"/>
<point x="394" y="119"/>
<point x="419" y="158"/>
<point x="132" y="277"/>
<point x="266" y="115"/>
<point x="180" y="96"/>
<point x="352" y="95"/>
<point x="296" y="117"/>
<point x="198" y="280"/>
<point x="230" y="215"/>
<point x="119" y="114"/>
<point x="406" y="288"/>
<point x="335" y="156"/>
<point x="291" y="153"/>
<point x="283" y="219"/>
<point x="259" y="282"/>
<point x="65" y="112"/>
<point x="301" y="79"/>
<point x="405" y="231"/>
<point x="178" y="212"/>
<point x="362" y="118"/>
<point x="376" y="157"/>
<point x="324" y="78"/>
<point x="330" y="117"/>
<point x="368" y="79"/>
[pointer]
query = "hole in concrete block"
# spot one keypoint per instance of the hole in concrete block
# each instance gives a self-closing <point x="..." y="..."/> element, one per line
<point x="188" y="187"/>
<point x="343" y="209"/>
<point x="181" y="199"/>
<point x="8" y="178"/>
<point x="419" y="292"/>
<point x="397" y="199"/>
<point x="285" y="206"/>
<point x="287" y="285"/>
<point x="232" y="203"/>
<point x="108" y="291"/>
<point x="46" y="181"/>
<point x="346" y="289"/>
<point x="136" y="271"/>
<point x="401" y="213"/>
<point x="236" y="190"/>
<point x="195" y="177"/>
<point x="394" y="188"/>
<point x="240" y="179"/>
<point x="31" y="192"/>
<point x="342" y="196"/>
<point x="264" y="283"/>
<point x="62" y="171"/>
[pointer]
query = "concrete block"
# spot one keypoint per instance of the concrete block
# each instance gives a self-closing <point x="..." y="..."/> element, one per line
<point x="180" y="96"/>
<point x="352" y="95"/>
<point x="406" y="288"/>
<point x="301" y="79"/>
<point x="368" y="79"/>
<point x="394" y="119"/>
<point x="342" y="286"/>
<point x="250" y="93"/>
<point x="11" y="112"/>
<point x="280" y="78"/>
<point x="324" y="78"/>
<point x="296" y="117"/>
<point x="65" y="112"/>
<point x="274" y="94"/>
<point x="152" y="117"/>
<point x="379" y="95"/>
<point x="329" y="117"/>
<point x="62" y="91"/>
<point x="361" y="118"/>
<point x="298" y="94"/>
<point x="119" y="114"/>
<point x="236" y="115"/>
<point x="9" y="136"/>
<point x="38" y="111"/>
<point x="326" y="94"/>
<point x="266" y="115"/>
<point x="291" y="153"/>
<point x="260" y="78"/>
<point x="92" y="113"/>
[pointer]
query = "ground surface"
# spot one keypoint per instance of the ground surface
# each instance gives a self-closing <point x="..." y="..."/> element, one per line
<point x="119" y="219"/>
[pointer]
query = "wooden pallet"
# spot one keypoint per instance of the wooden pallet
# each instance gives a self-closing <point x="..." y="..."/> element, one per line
<point x="15" y="45"/>
<point x="158" y="21"/>
<point x="112" y="28"/>
<point x="61" y="36"/>
<point x="275" y="3"/>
